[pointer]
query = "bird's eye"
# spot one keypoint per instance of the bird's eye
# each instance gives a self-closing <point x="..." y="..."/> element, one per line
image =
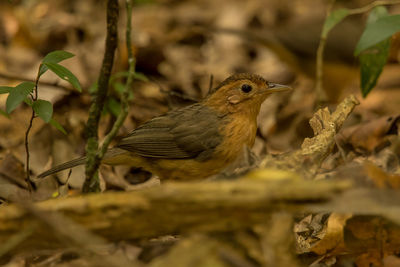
<point x="246" y="88"/>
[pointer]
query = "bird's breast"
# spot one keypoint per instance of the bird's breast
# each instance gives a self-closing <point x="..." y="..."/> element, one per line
<point x="237" y="133"/>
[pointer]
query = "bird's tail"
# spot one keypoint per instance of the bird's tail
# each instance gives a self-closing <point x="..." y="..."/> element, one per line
<point x="111" y="157"/>
<point x="66" y="165"/>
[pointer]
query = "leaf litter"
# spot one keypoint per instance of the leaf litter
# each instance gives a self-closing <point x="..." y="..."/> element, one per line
<point x="178" y="48"/>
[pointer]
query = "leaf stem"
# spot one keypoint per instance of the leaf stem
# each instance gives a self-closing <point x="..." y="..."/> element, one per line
<point x="321" y="95"/>
<point x="34" y="97"/>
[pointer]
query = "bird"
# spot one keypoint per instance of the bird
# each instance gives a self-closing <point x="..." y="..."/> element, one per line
<point x="196" y="141"/>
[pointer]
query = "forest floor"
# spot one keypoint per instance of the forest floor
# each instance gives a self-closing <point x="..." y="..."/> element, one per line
<point x="319" y="187"/>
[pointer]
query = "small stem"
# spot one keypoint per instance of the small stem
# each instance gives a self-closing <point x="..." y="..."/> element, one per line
<point x="319" y="90"/>
<point x="210" y="85"/>
<point x="131" y="58"/>
<point x="321" y="95"/>
<point x="125" y="94"/>
<point x="372" y="5"/>
<point x="27" y="169"/>
<point x="93" y="160"/>
<point x="34" y="97"/>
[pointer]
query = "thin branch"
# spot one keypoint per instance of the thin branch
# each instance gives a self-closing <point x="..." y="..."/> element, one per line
<point x="131" y="58"/>
<point x="27" y="165"/>
<point x="210" y="85"/>
<point x="372" y="5"/>
<point x="125" y="94"/>
<point x="93" y="161"/>
<point x="19" y="78"/>
<point x="124" y="97"/>
<point x="34" y="97"/>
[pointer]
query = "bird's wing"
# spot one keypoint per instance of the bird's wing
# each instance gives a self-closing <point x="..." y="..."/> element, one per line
<point x="191" y="132"/>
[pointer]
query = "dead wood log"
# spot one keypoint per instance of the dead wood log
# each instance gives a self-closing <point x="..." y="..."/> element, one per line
<point x="172" y="208"/>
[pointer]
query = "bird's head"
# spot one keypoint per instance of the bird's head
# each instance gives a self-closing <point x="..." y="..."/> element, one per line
<point x="242" y="93"/>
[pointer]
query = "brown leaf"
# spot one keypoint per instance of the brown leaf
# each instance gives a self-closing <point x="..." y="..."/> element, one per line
<point x="333" y="240"/>
<point x="380" y="178"/>
<point x="369" y="136"/>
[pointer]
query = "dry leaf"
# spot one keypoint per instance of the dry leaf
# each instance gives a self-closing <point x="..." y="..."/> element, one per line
<point x="333" y="241"/>
<point x="369" y="136"/>
<point x="380" y="178"/>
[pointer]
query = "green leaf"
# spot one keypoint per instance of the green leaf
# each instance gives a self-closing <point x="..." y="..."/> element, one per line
<point x="118" y="75"/>
<point x="93" y="88"/>
<point x="373" y="59"/>
<point x="377" y="13"/>
<point x="2" y="112"/>
<point x="64" y="74"/>
<point x="44" y="109"/>
<point x="18" y="94"/>
<point x="378" y="31"/>
<point x="54" y="57"/>
<point x="372" y="62"/>
<point x="28" y="101"/>
<point x="140" y="76"/>
<point x="136" y="75"/>
<point x="5" y="89"/>
<point x="114" y="106"/>
<point x="119" y="88"/>
<point x="334" y="18"/>
<point x="58" y="126"/>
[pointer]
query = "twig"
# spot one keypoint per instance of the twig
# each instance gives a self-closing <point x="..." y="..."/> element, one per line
<point x="34" y="97"/>
<point x="125" y="94"/>
<point x="19" y="78"/>
<point x="372" y="5"/>
<point x="27" y="165"/>
<point x="210" y="85"/>
<point x="93" y="161"/>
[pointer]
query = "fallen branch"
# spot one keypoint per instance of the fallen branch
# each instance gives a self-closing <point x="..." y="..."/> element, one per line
<point x="172" y="208"/>
<point x="314" y="151"/>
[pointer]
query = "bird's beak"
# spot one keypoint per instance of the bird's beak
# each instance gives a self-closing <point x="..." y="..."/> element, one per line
<point x="274" y="87"/>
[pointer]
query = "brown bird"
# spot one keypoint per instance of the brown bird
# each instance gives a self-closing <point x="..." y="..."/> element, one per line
<point x="196" y="141"/>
